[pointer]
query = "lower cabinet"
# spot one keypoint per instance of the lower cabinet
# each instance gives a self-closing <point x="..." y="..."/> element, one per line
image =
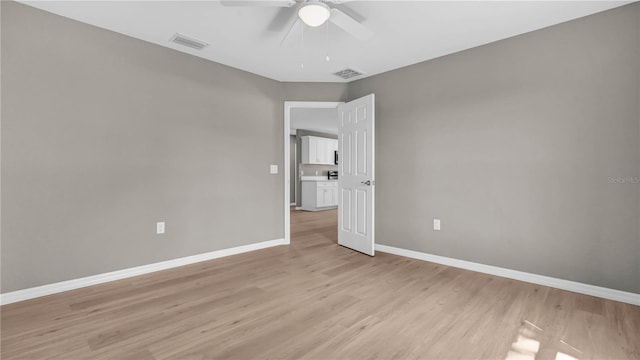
<point x="317" y="195"/>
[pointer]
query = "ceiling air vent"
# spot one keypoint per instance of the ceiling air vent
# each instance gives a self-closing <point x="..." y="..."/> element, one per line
<point x="347" y="73"/>
<point x="189" y="41"/>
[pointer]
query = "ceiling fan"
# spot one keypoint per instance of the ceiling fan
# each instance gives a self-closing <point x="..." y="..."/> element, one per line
<point x="312" y="13"/>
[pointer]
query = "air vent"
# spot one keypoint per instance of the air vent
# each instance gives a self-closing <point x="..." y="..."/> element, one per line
<point x="347" y="73"/>
<point x="189" y="41"/>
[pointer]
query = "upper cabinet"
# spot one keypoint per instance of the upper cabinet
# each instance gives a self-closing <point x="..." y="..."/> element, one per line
<point x="318" y="150"/>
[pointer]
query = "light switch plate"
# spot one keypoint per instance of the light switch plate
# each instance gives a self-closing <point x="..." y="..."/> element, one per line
<point x="274" y="169"/>
<point x="160" y="227"/>
<point x="436" y="224"/>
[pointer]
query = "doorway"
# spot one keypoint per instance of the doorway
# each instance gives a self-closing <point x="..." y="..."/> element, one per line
<point x="293" y="182"/>
<point x="353" y="192"/>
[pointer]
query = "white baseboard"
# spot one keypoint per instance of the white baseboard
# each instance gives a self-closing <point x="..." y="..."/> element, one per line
<point x="319" y="209"/>
<point x="602" y="292"/>
<point x="54" y="288"/>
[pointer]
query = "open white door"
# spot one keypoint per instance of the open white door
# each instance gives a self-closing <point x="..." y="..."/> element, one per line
<point x="356" y="179"/>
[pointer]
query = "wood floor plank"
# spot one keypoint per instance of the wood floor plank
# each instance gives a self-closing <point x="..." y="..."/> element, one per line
<point x="315" y="299"/>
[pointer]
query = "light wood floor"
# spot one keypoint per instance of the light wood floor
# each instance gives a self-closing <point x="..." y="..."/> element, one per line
<point x="317" y="300"/>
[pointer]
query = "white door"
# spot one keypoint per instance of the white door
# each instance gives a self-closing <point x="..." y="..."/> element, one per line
<point x="356" y="177"/>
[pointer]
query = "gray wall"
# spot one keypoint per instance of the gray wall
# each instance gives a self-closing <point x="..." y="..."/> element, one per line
<point x="512" y="145"/>
<point x="102" y="140"/>
<point x="103" y="135"/>
<point x="315" y="91"/>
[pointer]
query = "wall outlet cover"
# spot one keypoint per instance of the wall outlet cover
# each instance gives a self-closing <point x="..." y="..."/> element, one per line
<point x="436" y="224"/>
<point x="160" y="227"/>
<point x="274" y="169"/>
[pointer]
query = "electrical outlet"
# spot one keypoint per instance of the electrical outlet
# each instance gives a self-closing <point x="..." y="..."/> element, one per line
<point x="160" y="227"/>
<point x="274" y="169"/>
<point x="436" y="224"/>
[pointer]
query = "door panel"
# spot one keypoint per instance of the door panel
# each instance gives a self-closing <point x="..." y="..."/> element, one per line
<point x="344" y="148"/>
<point x="356" y="179"/>
<point x="344" y="210"/>
<point x="361" y="152"/>
<point x="361" y="212"/>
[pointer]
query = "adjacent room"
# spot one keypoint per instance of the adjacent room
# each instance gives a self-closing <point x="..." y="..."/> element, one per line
<point x="320" y="179"/>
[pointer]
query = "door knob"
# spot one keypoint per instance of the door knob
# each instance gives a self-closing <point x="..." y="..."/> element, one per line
<point x="368" y="182"/>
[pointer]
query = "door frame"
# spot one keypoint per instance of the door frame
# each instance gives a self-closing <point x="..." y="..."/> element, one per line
<point x="288" y="105"/>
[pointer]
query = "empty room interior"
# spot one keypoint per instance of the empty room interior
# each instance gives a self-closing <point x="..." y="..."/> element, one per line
<point x="320" y="179"/>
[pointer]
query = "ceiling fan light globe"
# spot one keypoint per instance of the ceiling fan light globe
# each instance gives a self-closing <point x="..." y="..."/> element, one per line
<point x="314" y="13"/>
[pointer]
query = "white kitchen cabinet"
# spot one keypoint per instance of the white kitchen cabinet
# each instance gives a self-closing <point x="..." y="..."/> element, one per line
<point x="319" y="195"/>
<point x="318" y="150"/>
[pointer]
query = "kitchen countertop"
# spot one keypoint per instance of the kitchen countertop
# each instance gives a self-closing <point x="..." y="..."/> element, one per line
<point x="315" y="178"/>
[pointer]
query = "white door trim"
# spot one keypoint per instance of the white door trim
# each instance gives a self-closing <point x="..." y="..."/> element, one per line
<point x="288" y="105"/>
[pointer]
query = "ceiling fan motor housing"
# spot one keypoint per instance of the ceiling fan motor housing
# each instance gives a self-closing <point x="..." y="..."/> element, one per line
<point x="314" y="13"/>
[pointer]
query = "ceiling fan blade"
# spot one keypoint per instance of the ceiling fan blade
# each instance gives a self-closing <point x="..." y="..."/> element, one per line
<point x="282" y="20"/>
<point x="295" y="28"/>
<point x="350" y="25"/>
<point x="259" y="3"/>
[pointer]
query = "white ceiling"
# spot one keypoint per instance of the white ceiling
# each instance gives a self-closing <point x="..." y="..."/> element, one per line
<point x="315" y="119"/>
<point x="406" y="32"/>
